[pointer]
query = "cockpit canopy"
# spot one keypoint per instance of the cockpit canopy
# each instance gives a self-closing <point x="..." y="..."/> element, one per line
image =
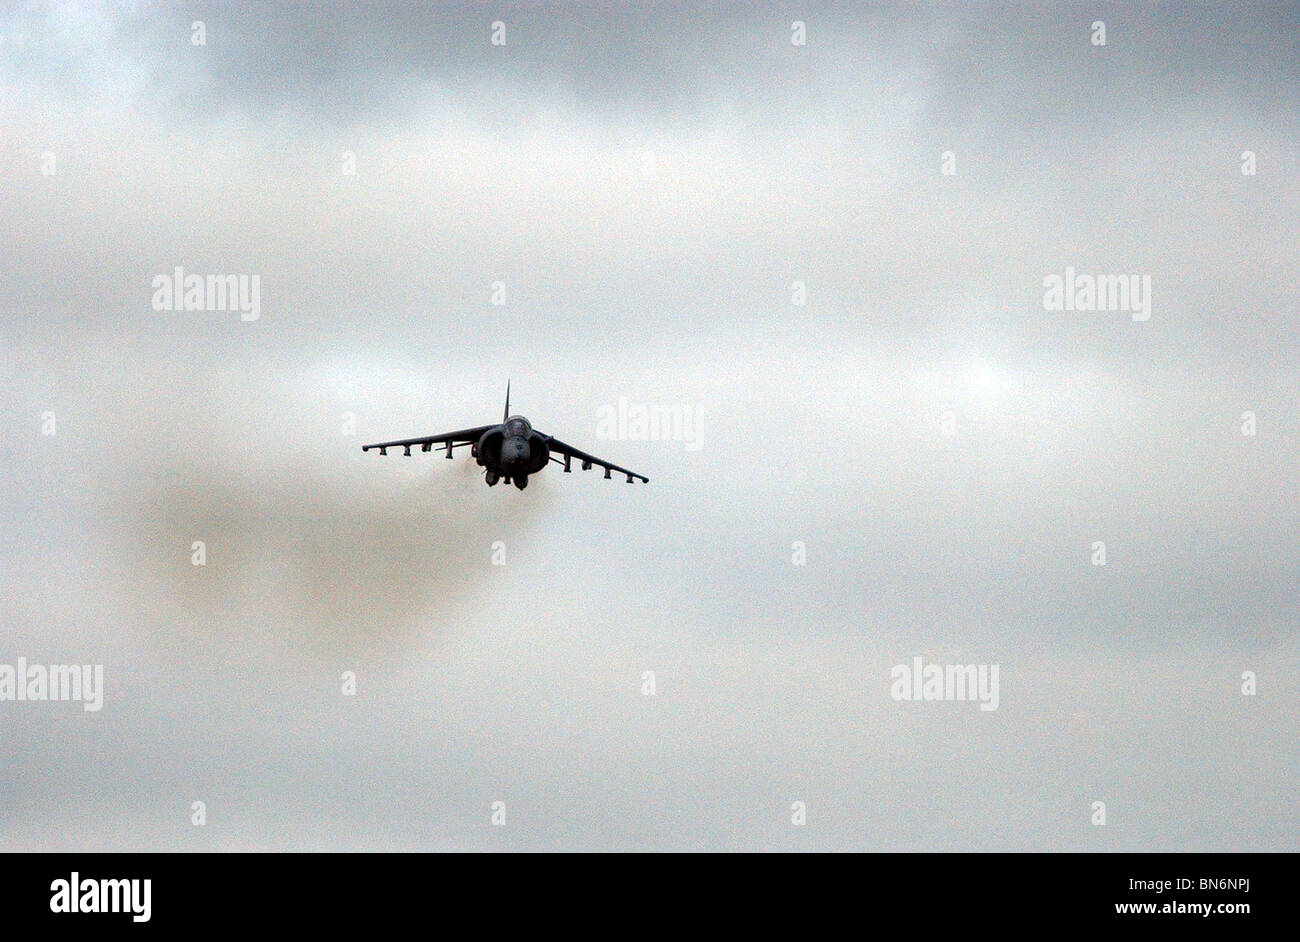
<point x="518" y="426"/>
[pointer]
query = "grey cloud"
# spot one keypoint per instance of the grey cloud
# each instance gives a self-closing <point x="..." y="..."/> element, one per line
<point x="822" y="425"/>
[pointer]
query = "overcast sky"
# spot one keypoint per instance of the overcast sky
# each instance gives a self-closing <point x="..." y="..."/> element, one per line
<point x="648" y="185"/>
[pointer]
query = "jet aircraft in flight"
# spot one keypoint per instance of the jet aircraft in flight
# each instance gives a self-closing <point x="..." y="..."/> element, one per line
<point x="510" y="451"/>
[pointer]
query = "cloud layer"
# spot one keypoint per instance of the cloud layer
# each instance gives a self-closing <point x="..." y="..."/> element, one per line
<point x="648" y="190"/>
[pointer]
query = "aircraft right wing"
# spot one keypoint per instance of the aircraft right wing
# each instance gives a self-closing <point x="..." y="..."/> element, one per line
<point x="465" y="436"/>
<point x="588" y="460"/>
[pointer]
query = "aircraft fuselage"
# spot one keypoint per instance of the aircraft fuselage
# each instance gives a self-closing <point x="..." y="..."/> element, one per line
<point x="512" y="450"/>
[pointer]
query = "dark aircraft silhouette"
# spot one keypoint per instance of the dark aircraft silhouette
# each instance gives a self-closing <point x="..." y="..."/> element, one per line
<point x="510" y="451"/>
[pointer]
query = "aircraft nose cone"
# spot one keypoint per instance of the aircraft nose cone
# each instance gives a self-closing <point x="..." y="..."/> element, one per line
<point x="515" y="451"/>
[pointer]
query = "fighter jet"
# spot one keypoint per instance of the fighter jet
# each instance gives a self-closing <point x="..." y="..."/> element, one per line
<point x="510" y="451"/>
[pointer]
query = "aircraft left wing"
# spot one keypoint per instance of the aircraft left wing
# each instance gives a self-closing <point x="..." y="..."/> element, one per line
<point x="451" y="439"/>
<point x="587" y="460"/>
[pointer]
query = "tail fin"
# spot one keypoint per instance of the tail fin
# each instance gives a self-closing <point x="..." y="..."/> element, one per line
<point x="505" y="415"/>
